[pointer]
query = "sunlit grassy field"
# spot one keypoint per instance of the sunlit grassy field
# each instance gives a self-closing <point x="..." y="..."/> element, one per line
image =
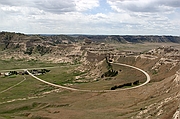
<point x="23" y="64"/>
<point x="28" y="87"/>
<point x="61" y="75"/>
<point x="17" y="87"/>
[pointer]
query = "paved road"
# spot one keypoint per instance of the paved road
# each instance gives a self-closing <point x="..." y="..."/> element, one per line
<point x="73" y="89"/>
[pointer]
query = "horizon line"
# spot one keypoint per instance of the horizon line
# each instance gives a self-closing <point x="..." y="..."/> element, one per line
<point x="91" y="34"/>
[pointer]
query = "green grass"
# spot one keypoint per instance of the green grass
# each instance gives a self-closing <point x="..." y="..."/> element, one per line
<point x="19" y="64"/>
<point x="18" y="109"/>
<point x="12" y="76"/>
<point x="61" y="75"/>
<point x="29" y="88"/>
<point x="6" y="82"/>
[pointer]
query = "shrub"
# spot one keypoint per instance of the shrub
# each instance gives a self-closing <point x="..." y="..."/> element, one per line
<point x="114" y="88"/>
<point x="110" y="73"/>
<point x="136" y="82"/>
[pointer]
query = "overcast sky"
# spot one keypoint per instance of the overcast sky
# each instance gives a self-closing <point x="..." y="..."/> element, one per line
<point x="137" y="17"/>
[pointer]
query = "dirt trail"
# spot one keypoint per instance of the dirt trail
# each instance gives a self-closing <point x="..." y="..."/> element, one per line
<point x="13" y="86"/>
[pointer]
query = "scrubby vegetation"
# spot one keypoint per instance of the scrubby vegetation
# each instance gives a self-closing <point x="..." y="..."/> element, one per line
<point x="125" y="85"/>
<point x="110" y="72"/>
<point x="43" y="50"/>
<point x="40" y="71"/>
<point x="29" y="51"/>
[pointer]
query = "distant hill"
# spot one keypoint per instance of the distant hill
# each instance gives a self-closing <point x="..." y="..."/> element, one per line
<point x="23" y="42"/>
<point x="43" y="44"/>
<point x="133" y="39"/>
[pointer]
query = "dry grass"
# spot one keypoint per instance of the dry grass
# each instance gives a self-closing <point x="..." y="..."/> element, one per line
<point x="146" y="101"/>
<point x="86" y="105"/>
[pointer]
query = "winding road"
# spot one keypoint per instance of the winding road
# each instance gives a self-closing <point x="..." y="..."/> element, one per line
<point x="74" y="89"/>
<point x="148" y="78"/>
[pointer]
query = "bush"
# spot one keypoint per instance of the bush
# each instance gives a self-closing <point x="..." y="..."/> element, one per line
<point x="29" y="51"/>
<point x="136" y="82"/>
<point x="43" y="50"/>
<point x="114" y="88"/>
<point x="128" y="84"/>
<point x="121" y="86"/>
<point x="110" y="73"/>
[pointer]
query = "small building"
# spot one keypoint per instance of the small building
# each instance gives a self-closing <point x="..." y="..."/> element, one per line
<point x="7" y="74"/>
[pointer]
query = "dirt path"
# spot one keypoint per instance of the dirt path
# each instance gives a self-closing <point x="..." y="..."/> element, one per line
<point x="13" y="86"/>
<point x="73" y="89"/>
<point x="20" y="99"/>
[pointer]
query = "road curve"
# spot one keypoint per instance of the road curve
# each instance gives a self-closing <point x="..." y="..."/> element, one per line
<point x="74" y="89"/>
<point x="145" y="73"/>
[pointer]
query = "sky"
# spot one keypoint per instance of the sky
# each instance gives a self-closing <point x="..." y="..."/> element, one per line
<point x="95" y="17"/>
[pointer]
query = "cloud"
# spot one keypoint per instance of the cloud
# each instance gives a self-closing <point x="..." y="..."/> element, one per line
<point x="13" y="2"/>
<point x="144" y="5"/>
<point x="54" y="6"/>
<point x="75" y="16"/>
<point x="170" y="3"/>
<point x="82" y="5"/>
